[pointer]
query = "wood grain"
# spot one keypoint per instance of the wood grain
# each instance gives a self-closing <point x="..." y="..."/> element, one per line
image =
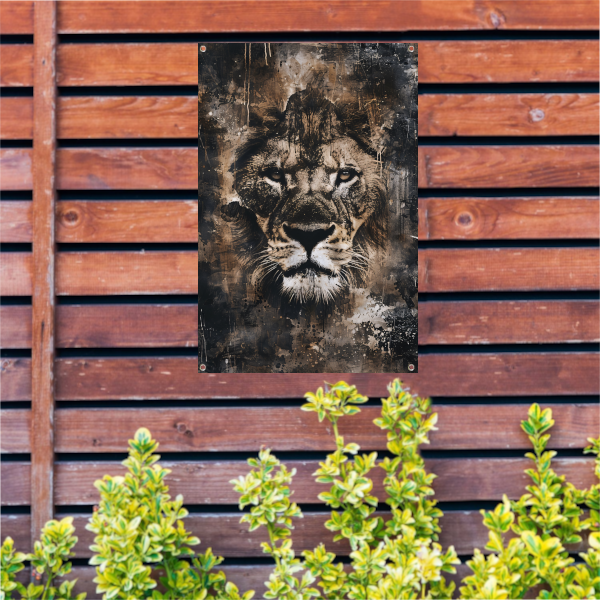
<point x="128" y="64"/>
<point x="16" y="431"/>
<point x="16" y="116"/>
<point x="127" y="168"/>
<point x="15" y="490"/>
<point x="499" y="269"/>
<point x="513" y="322"/>
<point x="15" y="274"/>
<point x="290" y="429"/>
<point x="508" y="166"/>
<point x="16" y="326"/>
<point x="17" y="64"/>
<point x="509" y="218"/>
<point x="15" y="169"/>
<point x="135" y="326"/>
<point x="460" y="374"/>
<point x="290" y="15"/>
<point x="128" y="117"/>
<point x="461" y="479"/>
<point x="16" y="379"/>
<point x="44" y="250"/>
<point x="126" y="221"/>
<point x="508" y="61"/>
<point x="130" y="273"/>
<point x="508" y="114"/>
<point x="15" y="221"/>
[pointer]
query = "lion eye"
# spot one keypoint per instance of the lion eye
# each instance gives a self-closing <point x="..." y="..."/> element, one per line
<point x="275" y="175"/>
<point x="347" y="174"/>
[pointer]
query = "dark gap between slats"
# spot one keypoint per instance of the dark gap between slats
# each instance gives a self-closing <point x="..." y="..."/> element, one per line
<point x="475" y="244"/>
<point x="15" y="353"/>
<point x="15" y="510"/>
<point x="18" y="405"/>
<point x="499" y="192"/>
<point x="531" y="348"/>
<point x="145" y="299"/>
<point x="323" y="36"/>
<point x="517" y="140"/>
<point x="16" y="247"/>
<point x="8" y="144"/>
<point x="16" y="38"/>
<point x="16" y="92"/>
<point x="15" y="300"/>
<point x="15" y="457"/>
<point x="8" y="196"/>
<point x="507" y="296"/>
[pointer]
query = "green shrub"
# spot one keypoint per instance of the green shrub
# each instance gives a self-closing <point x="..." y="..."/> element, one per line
<point x="142" y="549"/>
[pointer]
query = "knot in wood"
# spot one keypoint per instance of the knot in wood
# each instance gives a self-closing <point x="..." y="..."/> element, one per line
<point x="497" y="19"/>
<point x="181" y="427"/>
<point x="71" y="217"/>
<point x="536" y="115"/>
<point x="465" y="219"/>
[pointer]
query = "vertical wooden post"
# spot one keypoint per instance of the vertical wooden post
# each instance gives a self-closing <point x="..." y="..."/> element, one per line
<point x="42" y="353"/>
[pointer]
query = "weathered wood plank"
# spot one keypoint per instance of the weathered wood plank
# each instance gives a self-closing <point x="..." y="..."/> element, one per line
<point x="518" y="322"/>
<point x="292" y="15"/>
<point x="16" y="379"/>
<point x="509" y="218"/>
<point x="129" y="273"/>
<point x="127" y="168"/>
<point x="461" y="479"/>
<point x="15" y="274"/>
<point x="508" y="61"/>
<point x="16" y="431"/>
<point x="508" y="114"/>
<point x="126" y="221"/>
<point x="44" y="250"/>
<point x="128" y="64"/>
<point x="16" y="326"/>
<point x="134" y="326"/>
<point x="15" y="169"/>
<point x="15" y="221"/>
<point x="16" y="116"/>
<point x="290" y="429"/>
<point x="17" y="64"/>
<point x="15" y="490"/>
<point x="128" y="117"/>
<point x="508" y="166"/>
<point x="518" y="374"/>
<point x="439" y="62"/>
<point x="459" y="270"/>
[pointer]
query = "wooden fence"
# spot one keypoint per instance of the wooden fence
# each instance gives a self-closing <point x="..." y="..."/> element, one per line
<point x="508" y="258"/>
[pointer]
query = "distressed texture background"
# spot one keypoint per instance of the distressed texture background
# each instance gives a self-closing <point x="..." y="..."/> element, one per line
<point x="370" y="329"/>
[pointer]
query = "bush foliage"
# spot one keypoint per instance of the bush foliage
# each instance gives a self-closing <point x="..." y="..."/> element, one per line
<point x="142" y="549"/>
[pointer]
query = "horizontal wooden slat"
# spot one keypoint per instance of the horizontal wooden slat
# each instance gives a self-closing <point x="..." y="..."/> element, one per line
<point x="508" y="114"/>
<point x="15" y="169"/>
<point x="16" y="431"/>
<point x="135" y="326"/>
<point x="289" y="429"/>
<point x="17" y="65"/>
<point x="16" y="379"/>
<point x="295" y="15"/>
<point x="513" y="322"/>
<point x="15" y="478"/>
<point x="128" y="273"/>
<point x="16" y="117"/>
<point x="508" y="166"/>
<point x="458" y="479"/>
<point x="440" y="62"/>
<point x="486" y="374"/>
<point x="16" y="326"/>
<point x="15" y="221"/>
<point x="508" y="61"/>
<point x="509" y="218"/>
<point x="499" y="269"/>
<point x="128" y="117"/>
<point x="15" y="274"/>
<point x="127" y="221"/>
<point x="127" y="168"/>
<point x="127" y="64"/>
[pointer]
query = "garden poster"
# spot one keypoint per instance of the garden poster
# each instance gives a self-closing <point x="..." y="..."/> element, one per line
<point x="307" y="187"/>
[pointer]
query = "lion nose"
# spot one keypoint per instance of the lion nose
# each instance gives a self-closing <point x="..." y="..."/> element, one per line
<point x="309" y="238"/>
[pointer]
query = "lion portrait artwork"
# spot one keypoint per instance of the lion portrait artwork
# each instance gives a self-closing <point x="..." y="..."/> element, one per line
<point x="308" y="208"/>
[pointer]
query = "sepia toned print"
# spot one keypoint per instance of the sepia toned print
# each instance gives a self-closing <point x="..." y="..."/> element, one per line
<point x="308" y="208"/>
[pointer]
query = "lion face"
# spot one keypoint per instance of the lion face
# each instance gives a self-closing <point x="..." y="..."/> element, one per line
<point x="312" y="193"/>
